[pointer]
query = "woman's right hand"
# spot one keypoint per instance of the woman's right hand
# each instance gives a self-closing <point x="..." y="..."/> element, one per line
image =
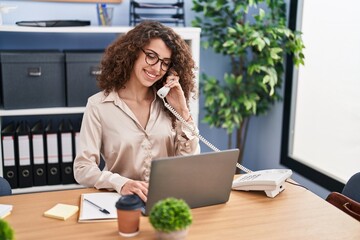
<point x="139" y="188"/>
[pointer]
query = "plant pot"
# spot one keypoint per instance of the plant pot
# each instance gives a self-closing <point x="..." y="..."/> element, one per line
<point x="176" y="235"/>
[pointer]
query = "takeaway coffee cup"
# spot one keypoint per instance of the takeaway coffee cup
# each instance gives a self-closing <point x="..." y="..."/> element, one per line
<point x="128" y="213"/>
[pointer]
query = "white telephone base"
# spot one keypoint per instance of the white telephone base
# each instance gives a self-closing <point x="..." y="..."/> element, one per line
<point x="271" y="181"/>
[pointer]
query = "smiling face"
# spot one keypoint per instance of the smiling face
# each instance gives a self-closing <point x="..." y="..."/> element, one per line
<point x="146" y="74"/>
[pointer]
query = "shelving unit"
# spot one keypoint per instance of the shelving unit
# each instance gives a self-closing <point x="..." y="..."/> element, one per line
<point x="41" y="111"/>
<point x="165" y="12"/>
<point x="190" y="35"/>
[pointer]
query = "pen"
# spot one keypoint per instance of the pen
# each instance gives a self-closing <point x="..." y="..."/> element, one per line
<point x="100" y="208"/>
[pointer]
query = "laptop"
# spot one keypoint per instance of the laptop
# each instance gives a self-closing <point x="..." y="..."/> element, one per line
<point x="201" y="180"/>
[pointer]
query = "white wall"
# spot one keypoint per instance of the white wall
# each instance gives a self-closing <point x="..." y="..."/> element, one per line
<point x="264" y="136"/>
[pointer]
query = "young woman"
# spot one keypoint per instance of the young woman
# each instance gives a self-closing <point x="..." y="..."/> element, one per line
<point x="126" y="123"/>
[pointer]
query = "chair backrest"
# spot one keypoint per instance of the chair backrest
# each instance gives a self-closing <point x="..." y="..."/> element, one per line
<point x="5" y="188"/>
<point x="345" y="204"/>
<point x="352" y="187"/>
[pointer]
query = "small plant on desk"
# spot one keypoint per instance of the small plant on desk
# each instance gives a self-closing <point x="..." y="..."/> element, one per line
<point x="171" y="218"/>
<point x="6" y="232"/>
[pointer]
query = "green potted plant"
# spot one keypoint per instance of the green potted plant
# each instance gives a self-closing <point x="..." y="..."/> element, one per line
<point x="253" y="34"/>
<point x="6" y="232"/>
<point x="171" y="218"/>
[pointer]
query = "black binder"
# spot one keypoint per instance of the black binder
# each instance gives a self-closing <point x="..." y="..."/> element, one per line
<point x="76" y="126"/>
<point x="52" y="155"/>
<point x="38" y="154"/>
<point x="8" y="153"/>
<point x="66" y="151"/>
<point x="22" y="141"/>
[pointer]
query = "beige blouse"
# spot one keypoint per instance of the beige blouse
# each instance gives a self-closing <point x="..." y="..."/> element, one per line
<point x="110" y="128"/>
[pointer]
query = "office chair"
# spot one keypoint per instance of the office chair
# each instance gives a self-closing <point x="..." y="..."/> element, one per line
<point x="349" y="199"/>
<point x="5" y="188"/>
<point x="352" y="187"/>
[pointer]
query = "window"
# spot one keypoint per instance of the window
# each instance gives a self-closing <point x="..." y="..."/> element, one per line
<point x="321" y="125"/>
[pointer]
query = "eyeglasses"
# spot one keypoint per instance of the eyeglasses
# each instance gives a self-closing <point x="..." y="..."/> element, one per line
<point x="152" y="58"/>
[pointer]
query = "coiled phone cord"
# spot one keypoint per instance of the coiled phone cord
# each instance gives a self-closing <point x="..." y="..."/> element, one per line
<point x="178" y="116"/>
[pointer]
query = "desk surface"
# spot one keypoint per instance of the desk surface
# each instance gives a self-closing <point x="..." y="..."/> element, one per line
<point x="294" y="214"/>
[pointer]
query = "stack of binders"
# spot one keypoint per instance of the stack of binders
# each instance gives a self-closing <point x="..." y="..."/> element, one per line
<point x="40" y="155"/>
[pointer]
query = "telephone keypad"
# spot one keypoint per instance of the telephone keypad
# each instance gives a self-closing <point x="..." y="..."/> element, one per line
<point x="250" y="177"/>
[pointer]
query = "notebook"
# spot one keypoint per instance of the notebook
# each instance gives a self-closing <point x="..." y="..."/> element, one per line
<point x="91" y="213"/>
<point x="5" y="210"/>
<point x="201" y="180"/>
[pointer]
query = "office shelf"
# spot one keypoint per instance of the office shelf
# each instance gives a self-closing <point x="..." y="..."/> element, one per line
<point x="47" y="188"/>
<point x="190" y="35"/>
<point x="83" y="29"/>
<point x="41" y="111"/>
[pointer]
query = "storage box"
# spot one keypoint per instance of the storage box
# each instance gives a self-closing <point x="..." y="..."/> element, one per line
<point x="82" y="68"/>
<point x="32" y="79"/>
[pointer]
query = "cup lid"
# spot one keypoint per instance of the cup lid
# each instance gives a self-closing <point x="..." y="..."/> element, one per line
<point x="129" y="202"/>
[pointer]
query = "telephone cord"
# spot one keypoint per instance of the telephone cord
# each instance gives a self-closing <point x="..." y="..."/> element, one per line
<point x="178" y="116"/>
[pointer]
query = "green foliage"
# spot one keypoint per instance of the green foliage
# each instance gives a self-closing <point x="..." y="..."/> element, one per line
<point x="254" y="35"/>
<point x="170" y="215"/>
<point x="6" y="232"/>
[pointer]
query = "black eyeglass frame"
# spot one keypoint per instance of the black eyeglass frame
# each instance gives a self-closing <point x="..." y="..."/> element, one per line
<point x="158" y="59"/>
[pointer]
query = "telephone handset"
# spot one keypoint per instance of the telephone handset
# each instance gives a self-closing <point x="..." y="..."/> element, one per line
<point x="162" y="92"/>
<point x="271" y="181"/>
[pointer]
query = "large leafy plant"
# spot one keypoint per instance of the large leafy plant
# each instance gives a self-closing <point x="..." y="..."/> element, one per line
<point x="253" y="34"/>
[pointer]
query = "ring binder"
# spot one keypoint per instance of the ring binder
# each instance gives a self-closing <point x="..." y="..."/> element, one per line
<point x="38" y="154"/>
<point x="66" y="148"/>
<point x="8" y="154"/>
<point x="52" y="155"/>
<point x="23" y="155"/>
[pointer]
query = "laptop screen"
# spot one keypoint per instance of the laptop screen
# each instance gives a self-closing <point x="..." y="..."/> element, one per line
<point x="201" y="180"/>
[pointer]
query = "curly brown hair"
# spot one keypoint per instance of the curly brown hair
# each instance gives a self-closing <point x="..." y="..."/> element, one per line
<point x="120" y="56"/>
